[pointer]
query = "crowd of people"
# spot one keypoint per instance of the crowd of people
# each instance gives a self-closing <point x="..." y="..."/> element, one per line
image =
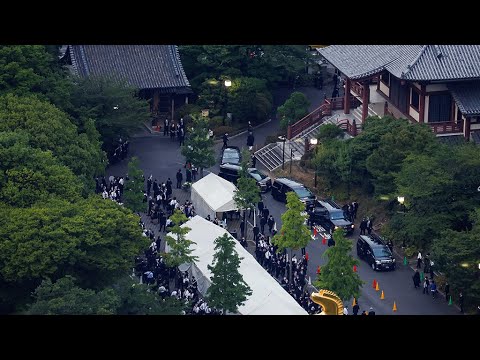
<point x="176" y="131"/>
<point x="113" y="189"/>
<point x="120" y="152"/>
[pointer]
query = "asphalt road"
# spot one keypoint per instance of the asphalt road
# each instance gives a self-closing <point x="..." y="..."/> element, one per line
<point x="161" y="157"/>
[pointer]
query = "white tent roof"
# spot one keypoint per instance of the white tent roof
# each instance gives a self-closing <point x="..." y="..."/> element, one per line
<point x="216" y="192"/>
<point x="268" y="297"/>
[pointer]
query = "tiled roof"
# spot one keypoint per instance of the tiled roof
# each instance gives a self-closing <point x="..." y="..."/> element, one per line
<point x="446" y="62"/>
<point x="452" y="139"/>
<point x="475" y="137"/>
<point x="467" y="97"/>
<point x="142" y="66"/>
<point x="410" y="62"/>
<point x="358" y="61"/>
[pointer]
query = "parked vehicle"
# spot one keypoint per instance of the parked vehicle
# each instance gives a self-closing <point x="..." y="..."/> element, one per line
<point x="331" y="216"/>
<point x="231" y="155"/>
<point x="232" y="173"/>
<point x="375" y="252"/>
<point x="281" y="186"/>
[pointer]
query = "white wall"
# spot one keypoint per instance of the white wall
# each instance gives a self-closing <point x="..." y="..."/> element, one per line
<point x="474" y="126"/>
<point x="437" y="87"/>
<point x="427" y="102"/>
<point x="385" y="89"/>
<point x="414" y="113"/>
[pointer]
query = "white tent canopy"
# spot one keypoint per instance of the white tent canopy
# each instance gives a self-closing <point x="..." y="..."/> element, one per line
<point x="213" y="194"/>
<point x="268" y="297"/>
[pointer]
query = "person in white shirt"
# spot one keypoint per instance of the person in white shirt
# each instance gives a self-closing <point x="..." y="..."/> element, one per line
<point x="345" y="310"/>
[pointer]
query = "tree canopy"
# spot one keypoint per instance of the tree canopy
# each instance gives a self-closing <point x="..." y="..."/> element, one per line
<point x="134" y="187"/>
<point x="180" y="251"/>
<point x="338" y="275"/>
<point x="228" y="290"/>
<point x="198" y="148"/>
<point x="294" y="108"/>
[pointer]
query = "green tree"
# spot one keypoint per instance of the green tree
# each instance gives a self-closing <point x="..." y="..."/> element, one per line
<point x="139" y="299"/>
<point x="93" y="240"/>
<point x="179" y="246"/>
<point x="65" y="298"/>
<point x="228" y="290"/>
<point x="134" y="187"/>
<point x="338" y="275"/>
<point x="114" y="107"/>
<point x="294" y="108"/>
<point x="29" y="175"/>
<point x="198" y="148"/>
<point x="294" y="233"/>
<point x="51" y="129"/>
<point x="27" y="69"/>
<point x="328" y="132"/>
<point x="457" y="254"/>
<point x="247" y="193"/>
<point x="249" y="100"/>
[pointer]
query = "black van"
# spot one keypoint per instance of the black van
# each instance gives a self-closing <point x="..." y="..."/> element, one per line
<point x="281" y="186"/>
<point x="231" y="173"/>
<point x="375" y="252"/>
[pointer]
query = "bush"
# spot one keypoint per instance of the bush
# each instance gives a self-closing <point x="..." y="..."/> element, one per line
<point x="185" y="110"/>
<point x="410" y="251"/>
<point x="216" y="121"/>
<point x="220" y="130"/>
<point x="271" y="139"/>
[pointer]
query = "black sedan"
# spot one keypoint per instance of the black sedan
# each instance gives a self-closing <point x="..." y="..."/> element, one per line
<point x="231" y="155"/>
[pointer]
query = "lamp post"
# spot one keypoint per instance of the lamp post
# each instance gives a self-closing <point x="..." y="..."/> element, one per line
<point x="314" y="141"/>
<point x="291" y="158"/>
<point x="227" y="84"/>
<point x="401" y="200"/>
<point x="283" y="139"/>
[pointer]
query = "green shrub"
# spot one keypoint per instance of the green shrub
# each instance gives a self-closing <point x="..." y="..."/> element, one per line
<point x="410" y="251"/>
<point x="185" y="110"/>
<point x="271" y="139"/>
<point x="215" y="122"/>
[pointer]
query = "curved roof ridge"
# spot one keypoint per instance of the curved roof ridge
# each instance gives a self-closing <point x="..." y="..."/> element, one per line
<point x="412" y="64"/>
<point x="177" y="63"/>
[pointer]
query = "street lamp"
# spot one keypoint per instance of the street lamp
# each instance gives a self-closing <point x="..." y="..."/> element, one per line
<point x="314" y="141"/>
<point x="401" y="200"/>
<point x="227" y="84"/>
<point x="291" y="159"/>
<point x="283" y="139"/>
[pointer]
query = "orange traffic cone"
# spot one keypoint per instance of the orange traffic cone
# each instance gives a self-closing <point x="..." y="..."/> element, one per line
<point x="394" y="306"/>
<point x="377" y="287"/>
<point x="306" y="256"/>
<point x="318" y="269"/>
<point x="324" y="240"/>
<point x="314" y="231"/>
<point x="354" y="302"/>
<point x="354" y="268"/>
<point x="374" y="284"/>
<point x="382" y="297"/>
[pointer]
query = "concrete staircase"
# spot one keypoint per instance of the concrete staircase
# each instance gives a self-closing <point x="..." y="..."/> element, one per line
<point x="271" y="155"/>
<point x="357" y="113"/>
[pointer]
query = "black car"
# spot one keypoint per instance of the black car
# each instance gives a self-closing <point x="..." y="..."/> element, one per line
<point x="232" y="173"/>
<point x="375" y="252"/>
<point x="281" y="186"/>
<point x="231" y="155"/>
<point x="329" y="214"/>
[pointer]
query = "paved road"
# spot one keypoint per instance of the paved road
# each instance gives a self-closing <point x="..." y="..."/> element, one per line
<point x="161" y="157"/>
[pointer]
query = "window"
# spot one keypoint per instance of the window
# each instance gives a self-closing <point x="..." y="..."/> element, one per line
<point x="386" y="78"/>
<point x="415" y="99"/>
<point x="302" y="192"/>
<point x="439" y="108"/>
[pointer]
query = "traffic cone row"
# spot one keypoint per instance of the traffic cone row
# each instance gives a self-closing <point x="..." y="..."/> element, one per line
<point x="376" y="286"/>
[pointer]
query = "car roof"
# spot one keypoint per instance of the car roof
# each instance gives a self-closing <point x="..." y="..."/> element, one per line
<point x="374" y="241"/>
<point x="232" y="148"/>
<point x="289" y="182"/>
<point x="329" y="206"/>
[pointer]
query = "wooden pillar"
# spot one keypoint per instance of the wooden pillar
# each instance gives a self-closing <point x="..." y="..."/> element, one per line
<point x="421" y="106"/>
<point x="365" y="99"/>
<point x="173" y="105"/>
<point x="289" y="132"/>
<point x="466" y="128"/>
<point x="156" y="99"/>
<point x="346" y="102"/>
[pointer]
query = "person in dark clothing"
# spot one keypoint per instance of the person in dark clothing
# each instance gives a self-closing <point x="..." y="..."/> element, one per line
<point x="270" y="223"/>
<point x="416" y="279"/>
<point x="447" y="291"/>
<point x="260" y="207"/>
<point x="250" y="127"/>
<point x="254" y="160"/>
<point x="432" y="274"/>
<point x="266" y="212"/>
<point x="165" y="127"/>
<point x="188" y="175"/>
<point x="263" y="221"/>
<point x="363" y="226"/>
<point x="331" y="242"/>
<point x="371" y="312"/>
<point x="355" y="309"/>
<point x="181" y="136"/>
<point x="149" y="184"/>
<point x="179" y="179"/>
<point x="335" y="92"/>
<point x="250" y="140"/>
<point x="225" y="140"/>
<point x="162" y="220"/>
<point x="256" y="231"/>
<point x="242" y="229"/>
<point x="369" y="226"/>
<point x="173" y="128"/>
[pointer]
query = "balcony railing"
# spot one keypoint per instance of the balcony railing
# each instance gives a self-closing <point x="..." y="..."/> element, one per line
<point x="446" y="128"/>
<point x="357" y="88"/>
